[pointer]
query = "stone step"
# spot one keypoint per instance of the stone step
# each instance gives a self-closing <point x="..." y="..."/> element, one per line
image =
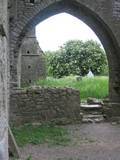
<point x="91" y="106"/>
<point x="93" y="112"/>
<point x="89" y="118"/>
<point x="92" y="116"/>
<point x="91" y="109"/>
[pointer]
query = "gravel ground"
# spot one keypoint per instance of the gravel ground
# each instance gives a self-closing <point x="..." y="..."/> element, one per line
<point x="88" y="142"/>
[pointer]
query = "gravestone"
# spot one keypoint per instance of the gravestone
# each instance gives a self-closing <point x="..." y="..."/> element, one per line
<point x="90" y="74"/>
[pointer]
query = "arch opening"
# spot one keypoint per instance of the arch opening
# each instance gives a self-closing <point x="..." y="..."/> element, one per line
<point x="92" y="20"/>
<point x="61" y="26"/>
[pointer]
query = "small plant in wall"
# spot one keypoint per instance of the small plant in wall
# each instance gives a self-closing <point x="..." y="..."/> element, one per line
<point x="29" y="158"/>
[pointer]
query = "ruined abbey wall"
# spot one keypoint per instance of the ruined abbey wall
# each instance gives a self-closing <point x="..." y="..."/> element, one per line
<point x="36" y="105"/>
<point x="102" y="16"/>
<point x="4" y="80"/>
<point x="31" y="62"/>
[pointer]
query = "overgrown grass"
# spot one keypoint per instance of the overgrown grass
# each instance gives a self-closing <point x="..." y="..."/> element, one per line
<point x="96" y="87"/>
<point x="29" y="134"/>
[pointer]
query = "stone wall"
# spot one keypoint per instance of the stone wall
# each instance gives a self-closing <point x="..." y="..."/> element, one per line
<point x="3" y="80"/>
<point x="112" y="111"/>
<point x="37" y="105"/>
<point x="103" y="16"/>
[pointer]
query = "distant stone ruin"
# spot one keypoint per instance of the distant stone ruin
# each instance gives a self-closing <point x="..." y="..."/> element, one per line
<point x="31" y="63"/>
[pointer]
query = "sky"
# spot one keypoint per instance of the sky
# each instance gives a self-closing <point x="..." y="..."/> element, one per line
<point x="56" y="30"/>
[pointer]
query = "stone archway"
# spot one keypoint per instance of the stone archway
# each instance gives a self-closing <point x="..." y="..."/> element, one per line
<point x="101" y="16"/>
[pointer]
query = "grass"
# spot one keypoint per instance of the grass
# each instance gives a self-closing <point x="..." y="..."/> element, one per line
<point x="29" y="158"/>
<point x="96" y="87"/>
<point x="29" y="134"/>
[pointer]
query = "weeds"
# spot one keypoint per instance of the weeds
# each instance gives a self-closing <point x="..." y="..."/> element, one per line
<point x="52" y="135"/>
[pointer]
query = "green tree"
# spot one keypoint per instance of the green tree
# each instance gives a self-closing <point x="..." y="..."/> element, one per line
<point x="77" y="57"/>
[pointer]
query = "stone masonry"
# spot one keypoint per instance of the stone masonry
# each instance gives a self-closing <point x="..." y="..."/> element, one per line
<point x="3" y="81"/>
<point x="36" y="105"/>
<point x="103" y="16"/>
<point x="31" y="66"/>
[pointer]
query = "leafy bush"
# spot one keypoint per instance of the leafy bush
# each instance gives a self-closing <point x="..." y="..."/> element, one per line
<point x="77" y="57"/>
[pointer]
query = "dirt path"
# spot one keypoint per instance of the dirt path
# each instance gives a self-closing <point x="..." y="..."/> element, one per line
<point x="88" y="142"/>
